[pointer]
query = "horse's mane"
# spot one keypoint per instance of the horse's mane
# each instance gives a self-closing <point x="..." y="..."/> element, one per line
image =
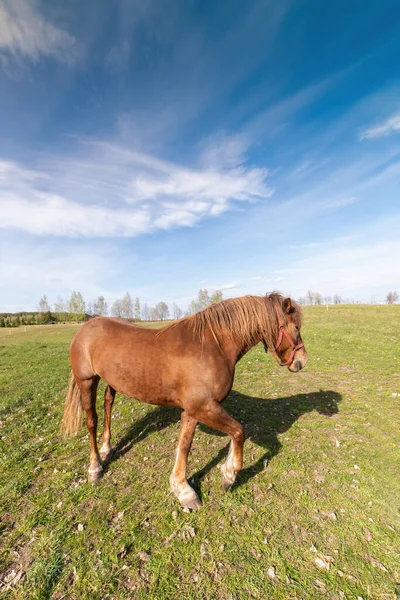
<point x="243" y="319"/>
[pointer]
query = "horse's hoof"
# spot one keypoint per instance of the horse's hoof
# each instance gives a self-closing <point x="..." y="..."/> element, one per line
<point x="192" y="504"/>
<point x="226" y="484"/>
<point x="106" y="454"/>
<point x="187" y="497"/>
<point x="94" y="475"/>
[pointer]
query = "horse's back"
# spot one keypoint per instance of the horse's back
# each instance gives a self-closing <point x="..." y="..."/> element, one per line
<point x="157" y="367"/>
<point x="98" y="338"/>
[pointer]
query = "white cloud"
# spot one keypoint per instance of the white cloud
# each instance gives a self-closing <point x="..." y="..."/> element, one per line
<point x="48" y="214"/>
<point x="106" y="190"/>
<point x="210" y="184"/>
<point x="392" y="125"/>
<point x="25" y="33"/>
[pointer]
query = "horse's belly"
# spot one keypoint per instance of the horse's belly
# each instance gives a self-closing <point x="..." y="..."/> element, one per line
<point x="142" y="384"/>
<point x="165" y="378"/>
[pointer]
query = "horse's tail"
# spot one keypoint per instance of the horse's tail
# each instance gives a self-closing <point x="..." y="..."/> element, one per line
<point x="72" y="418"/>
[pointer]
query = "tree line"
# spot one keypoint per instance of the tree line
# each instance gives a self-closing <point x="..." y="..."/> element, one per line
<point x="315" y="298"/>
<point x="75" y="309"/>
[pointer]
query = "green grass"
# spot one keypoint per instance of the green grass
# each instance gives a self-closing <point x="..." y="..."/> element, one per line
<point x="330" y="489"/>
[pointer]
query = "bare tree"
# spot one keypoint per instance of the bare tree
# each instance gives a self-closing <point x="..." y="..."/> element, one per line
<point x="162" y="311"/>
<point x="60" y="306"/>
<point x="145" y="312"/>
<point x="203" y="299"/>
<point x="176" y="311"/>
<point x="127" y="306"/>
<point x="317" y="298"/>
<point x="117" y="309"/>
<point x="101" y="307"/>
<point x="192" y="308"/>
<point x="310" y="297"/>
<point x="337" y="299"/>
<point x="217" y="296"/>
<point x="392" y="297"/>
<point x="76" y="305"/>
<point x="43" y="306"/>
<point x="137" y="309"/>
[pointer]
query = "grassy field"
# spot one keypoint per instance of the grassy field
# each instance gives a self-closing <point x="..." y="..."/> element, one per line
<point x="314" y="514"/>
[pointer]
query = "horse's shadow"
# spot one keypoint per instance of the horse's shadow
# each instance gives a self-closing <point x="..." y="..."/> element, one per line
<point x="263" y="420"/>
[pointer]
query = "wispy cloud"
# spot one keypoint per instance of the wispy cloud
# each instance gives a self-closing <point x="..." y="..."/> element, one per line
<point x="269" y="280"/>
<point x="26" y="34"/>
<point x="34" y="268"/>
<point x="48" y="214"/>
<point x="328" y="242"/>
<point x="224" y="151"/>
<point x="391" y="125"/>
<point x="352" y="271"/>
<point x="347" y="180"/>
<point x="361" y="266"/>
<point x="224" y="286"/>
<point x="341" y="202"/>
<point x="277" y="116"/>
<point x="107" y="190"/>
<point x="303" y="167"/>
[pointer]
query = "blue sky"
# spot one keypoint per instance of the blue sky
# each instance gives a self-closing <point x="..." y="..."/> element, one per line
<point x="162" y="147"/>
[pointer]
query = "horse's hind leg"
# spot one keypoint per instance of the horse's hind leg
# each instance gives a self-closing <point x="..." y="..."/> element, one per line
<point x="109" y="396"/>
<point x="179" y="485"/>
<point x="88" y="397"/>
<point x="213" y="415"/>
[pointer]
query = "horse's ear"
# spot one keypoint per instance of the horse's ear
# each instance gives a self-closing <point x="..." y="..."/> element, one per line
<point x="287" y="305"/>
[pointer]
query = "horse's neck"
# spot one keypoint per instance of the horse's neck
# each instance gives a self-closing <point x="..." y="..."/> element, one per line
<point x="235" y="348"/>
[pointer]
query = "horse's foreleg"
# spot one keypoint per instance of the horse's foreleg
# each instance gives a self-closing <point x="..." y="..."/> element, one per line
<point x="109" y="396"/>
<point x="88" y="396"/>
<point x="215" y="416"/>
<point x="179" y="485"/>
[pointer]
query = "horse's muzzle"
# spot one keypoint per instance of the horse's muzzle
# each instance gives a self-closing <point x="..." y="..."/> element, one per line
<point x="299" y="363"/>
<point x="296" y="366"/>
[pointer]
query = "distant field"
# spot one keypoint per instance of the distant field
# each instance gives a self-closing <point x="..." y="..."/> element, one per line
<point x="314" y="514"/>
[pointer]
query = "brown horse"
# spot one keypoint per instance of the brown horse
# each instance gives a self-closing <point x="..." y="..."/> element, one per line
<point x="189" y="364"/>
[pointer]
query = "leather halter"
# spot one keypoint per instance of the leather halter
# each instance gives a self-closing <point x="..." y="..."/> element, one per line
<point x="284" y="332"/>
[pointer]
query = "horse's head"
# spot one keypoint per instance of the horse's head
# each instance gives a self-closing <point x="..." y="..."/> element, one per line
<point x="289" y="349"/>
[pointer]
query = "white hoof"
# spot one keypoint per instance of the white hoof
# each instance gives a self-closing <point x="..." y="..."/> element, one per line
<point x="186" y="495"/>
<point x="105" y="452"/>
<point x="95" y="473"/>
